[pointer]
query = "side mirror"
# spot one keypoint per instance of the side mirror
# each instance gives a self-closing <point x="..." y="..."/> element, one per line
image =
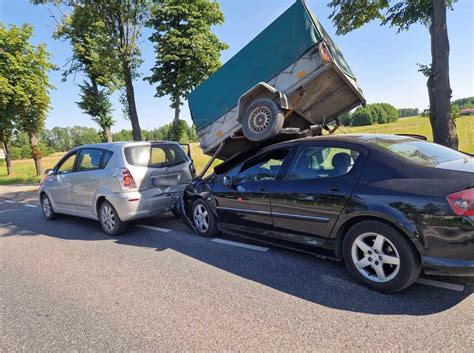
<point x="48" y="172"/>
<point x="229" y="181"/>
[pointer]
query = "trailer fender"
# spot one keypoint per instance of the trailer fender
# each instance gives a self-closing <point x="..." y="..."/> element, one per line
<point x="261" y="90"/>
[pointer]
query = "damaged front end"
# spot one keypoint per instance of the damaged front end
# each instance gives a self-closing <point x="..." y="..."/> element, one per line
<point x="199" y="188"/>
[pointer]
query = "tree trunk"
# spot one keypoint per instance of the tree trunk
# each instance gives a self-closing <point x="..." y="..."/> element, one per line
<point x="36" y="153"/>
<point x="108" y="133"/>
<point x="132" y="108"/>
<point x="439" y="90"/>
<point x="177" y="110"/>
<point x="8" y="160"/>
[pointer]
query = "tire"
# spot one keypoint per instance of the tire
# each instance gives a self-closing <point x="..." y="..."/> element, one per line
<point x="204" y="220"/>
<point x="263" y="119"/>
<point x="384" y="247"/>
<point x="110" y="220"/>
<point x="47" y="208"/>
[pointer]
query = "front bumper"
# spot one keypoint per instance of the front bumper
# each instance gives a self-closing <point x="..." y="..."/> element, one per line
<point x="450" y="267"/>
<point x="135" y="205"/>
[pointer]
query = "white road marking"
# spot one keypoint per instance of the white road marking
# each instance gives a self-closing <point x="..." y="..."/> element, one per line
<point x="445" y="285"/>
<point x="240" y="245"/>
<point x="30" y="205"/>
<point x="4" y="224"/>
<point x="9" y="201"/>
<point x="164" y="230"/>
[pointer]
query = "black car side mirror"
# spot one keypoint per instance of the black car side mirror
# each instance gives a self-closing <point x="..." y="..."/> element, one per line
<point x="230" y="181"/>
<point x="48" y="172"/>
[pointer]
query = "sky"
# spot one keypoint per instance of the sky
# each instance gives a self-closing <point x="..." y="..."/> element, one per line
<point x="385" y="63"/>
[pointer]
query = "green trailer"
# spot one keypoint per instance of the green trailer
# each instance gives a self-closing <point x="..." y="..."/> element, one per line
<point x="290" y="80"/>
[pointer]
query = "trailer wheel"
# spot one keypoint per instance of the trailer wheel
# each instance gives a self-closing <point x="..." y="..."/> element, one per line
<point x="262" y="120"/>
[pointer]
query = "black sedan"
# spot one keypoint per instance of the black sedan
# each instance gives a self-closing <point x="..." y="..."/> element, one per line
<point x="388" y="206"/>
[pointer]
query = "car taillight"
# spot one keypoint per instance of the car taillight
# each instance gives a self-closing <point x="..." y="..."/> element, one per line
<point x="462" y="202"/>
<point x="127" y="179"/>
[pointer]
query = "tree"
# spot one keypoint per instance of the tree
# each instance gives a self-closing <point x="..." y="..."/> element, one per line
<point x="186" y="50"/>
<point x="93" y="54"/>
<point x="6" y="116"/>
<point x="350" y="15"/>
<point x="406" y="112"/>
<point x="23" y="71"/>
<point x="122" y="22"/>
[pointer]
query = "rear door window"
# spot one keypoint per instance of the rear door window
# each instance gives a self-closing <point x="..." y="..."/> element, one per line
<point x="315" y="162"/>
<point x="155" y="156"/>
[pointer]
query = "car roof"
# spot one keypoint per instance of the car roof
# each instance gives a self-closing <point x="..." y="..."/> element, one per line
<point x="112" y="145"/>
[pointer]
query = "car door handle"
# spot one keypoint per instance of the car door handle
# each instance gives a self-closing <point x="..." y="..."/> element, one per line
<point x="93" y="178"/>
<point x="336" y="192"/>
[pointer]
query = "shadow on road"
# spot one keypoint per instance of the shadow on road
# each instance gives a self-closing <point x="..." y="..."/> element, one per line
<point x="304" y="276"/>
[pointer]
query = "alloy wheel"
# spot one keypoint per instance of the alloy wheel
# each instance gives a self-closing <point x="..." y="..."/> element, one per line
<point x="201" y="218"/>
<point x="375" y="257"/>
<point x="46" y="204"/>
<point x="108" y="218"/>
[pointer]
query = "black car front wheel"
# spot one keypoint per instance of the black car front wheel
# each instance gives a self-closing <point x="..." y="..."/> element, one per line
<point x="379" y="257"/>
<point x="204" y="219"/>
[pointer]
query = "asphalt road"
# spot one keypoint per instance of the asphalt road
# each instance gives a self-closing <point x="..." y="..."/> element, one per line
<point x="64" y="285"/>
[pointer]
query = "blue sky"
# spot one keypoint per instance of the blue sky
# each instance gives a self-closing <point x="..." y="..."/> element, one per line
<point x="384" y="61"/>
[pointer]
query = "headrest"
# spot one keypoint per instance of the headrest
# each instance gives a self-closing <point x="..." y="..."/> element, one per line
<point x="341" y="160"/>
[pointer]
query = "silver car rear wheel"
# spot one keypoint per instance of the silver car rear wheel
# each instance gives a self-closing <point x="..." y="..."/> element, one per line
<point x="110" y="220"/>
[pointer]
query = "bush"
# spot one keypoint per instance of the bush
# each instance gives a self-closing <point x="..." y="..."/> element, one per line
<point x="362" y="116"/>
<point x="377" y="113"/>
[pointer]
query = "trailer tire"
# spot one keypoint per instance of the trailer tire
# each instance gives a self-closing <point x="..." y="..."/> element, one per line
<point x="263" y="119"/>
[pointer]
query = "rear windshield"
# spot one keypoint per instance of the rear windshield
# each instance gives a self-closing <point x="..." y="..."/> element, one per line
<point x="418" y="151"/>
<point x="155" y="156"/>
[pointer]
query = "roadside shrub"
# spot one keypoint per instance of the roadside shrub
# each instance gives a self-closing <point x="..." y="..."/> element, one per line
<point x="377" y="113"/>
<point x="391" y="112"/>
<point x="363" y="116"/>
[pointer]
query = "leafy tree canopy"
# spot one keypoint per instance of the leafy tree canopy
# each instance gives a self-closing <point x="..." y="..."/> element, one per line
<point x="187" y="52"/>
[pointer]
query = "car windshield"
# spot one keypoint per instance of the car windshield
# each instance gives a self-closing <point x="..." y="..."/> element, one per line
<point x="155" y="156"/>
<point x="421" y="152"/>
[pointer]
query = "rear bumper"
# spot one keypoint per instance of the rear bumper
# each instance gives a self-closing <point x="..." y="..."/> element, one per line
<point x="134" y="205"/>
<point x="450" y="267"/>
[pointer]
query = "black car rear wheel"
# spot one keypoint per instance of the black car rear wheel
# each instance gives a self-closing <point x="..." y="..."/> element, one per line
<point x="379" y="257"/>
<point x="204" y="219"/>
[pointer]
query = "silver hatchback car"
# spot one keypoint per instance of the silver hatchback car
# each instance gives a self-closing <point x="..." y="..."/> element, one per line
<point x="116" y="182"/>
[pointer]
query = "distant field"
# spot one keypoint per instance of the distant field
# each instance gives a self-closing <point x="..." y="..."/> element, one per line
<point x="25" y="170"/>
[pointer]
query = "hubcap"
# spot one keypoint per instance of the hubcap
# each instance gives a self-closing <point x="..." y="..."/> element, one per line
<point x="108" y="218"/>
<point x="46" y="207"/>
<point x="201" y="218"/>
<point x="260" y="119"/>
<point x="375" y="257"/>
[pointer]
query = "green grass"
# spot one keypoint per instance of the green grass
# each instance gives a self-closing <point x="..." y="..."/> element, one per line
<point x="25" y="169"/>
